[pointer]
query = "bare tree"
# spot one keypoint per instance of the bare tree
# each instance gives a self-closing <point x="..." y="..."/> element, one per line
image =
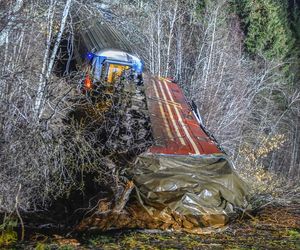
<point x="48" y="65"/>
<point x="11" y="17"/>
<point x="30" y="151"/>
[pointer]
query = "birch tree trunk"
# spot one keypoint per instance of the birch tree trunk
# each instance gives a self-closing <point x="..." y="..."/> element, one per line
<point x="12" y="17"/>
<point x="159" y="39"/>
<point x="172" y="23"/>
<point x="47" y="69"/>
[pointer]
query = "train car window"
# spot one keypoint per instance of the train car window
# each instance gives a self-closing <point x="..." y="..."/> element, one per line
<point x="104" y="72"/>
<point x="97" y="68"/>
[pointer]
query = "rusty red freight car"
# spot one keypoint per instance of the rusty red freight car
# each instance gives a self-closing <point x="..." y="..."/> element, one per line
<point x="175" y="128"/>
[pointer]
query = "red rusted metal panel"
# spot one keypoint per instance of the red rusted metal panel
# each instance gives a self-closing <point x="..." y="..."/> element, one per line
<point x="174" y="126"/>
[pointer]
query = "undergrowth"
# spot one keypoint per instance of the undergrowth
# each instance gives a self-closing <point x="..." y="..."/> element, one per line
<point x="8" y="235"/>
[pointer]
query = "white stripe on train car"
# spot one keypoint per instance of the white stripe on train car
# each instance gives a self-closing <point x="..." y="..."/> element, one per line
<point x="162" y="112"/>
<point x="171" y="115"/>
<point x="181" y="122"/>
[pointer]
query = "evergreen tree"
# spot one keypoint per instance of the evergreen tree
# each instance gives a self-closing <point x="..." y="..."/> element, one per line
<point x="267" y="27"/>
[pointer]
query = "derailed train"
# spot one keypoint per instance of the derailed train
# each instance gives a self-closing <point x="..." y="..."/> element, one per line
<point x="185" y="170"/>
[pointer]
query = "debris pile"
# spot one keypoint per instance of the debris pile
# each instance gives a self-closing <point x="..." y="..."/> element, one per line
<point x="107" y="129"/>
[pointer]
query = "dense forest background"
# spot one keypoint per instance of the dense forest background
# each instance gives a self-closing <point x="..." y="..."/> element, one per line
<point x="238" y="60"/>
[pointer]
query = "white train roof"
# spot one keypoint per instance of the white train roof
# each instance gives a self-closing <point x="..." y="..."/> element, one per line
<point x="114" y="54"/>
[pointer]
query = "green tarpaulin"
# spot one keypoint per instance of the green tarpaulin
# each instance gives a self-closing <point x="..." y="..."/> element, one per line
<point x="189" y="185"/>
